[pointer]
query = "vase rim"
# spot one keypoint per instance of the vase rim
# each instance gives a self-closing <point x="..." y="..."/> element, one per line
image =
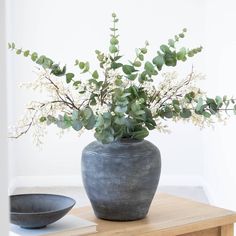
<point x="129" y="140"/>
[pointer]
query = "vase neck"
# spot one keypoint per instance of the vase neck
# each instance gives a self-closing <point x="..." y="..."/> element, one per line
<point x="129" y="140"/>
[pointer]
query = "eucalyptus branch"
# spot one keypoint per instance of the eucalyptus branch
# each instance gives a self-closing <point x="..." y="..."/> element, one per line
<point x="114" y="42"/>
<point x="123" y="102"/>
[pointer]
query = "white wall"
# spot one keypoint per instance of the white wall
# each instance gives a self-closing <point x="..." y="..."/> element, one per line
<point x="220" y="157"/>
<point x="3" y="150"/>
<point x="66" y="30"/>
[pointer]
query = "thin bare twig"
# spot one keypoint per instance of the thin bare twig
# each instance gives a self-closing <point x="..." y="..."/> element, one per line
<point x="185" y="82"/>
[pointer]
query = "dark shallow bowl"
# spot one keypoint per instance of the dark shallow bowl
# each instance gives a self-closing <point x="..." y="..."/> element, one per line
<point x="33" y="211"/>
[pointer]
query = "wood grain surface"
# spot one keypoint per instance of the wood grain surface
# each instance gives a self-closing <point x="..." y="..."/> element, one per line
<point x="169" y="215"/>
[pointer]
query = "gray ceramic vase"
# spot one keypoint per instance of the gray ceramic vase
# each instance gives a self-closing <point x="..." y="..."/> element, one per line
<point x="121" y="178"/>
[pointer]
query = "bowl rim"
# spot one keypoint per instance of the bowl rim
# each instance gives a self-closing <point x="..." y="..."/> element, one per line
<point x="43" y="212"/>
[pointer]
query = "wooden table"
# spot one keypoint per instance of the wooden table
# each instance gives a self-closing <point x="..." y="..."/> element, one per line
<point x="169" y="215"/>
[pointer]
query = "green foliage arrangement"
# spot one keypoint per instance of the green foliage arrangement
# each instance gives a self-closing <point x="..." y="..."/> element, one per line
<point x="120" y="100"/>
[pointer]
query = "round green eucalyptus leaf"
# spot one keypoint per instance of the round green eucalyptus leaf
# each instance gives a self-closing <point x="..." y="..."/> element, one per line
<point x="170" y="59"/>
<point x="185" y="113"/>
<point x="158" y="61"/>
<point x="114" y="41"/>
<point x="171" y="43"/>
<point x="77" y="125"/>
<point x="34" y="56"/>
<point x="18" y="51"/>
<point x="164" y="48"/>
<point x="81" y="65"/>
<point x="143" y="50"/>
<point x="206" y="114"/>
<point x="69" y="77"/>
<point x="137" y="63"/>
<point x="95" y="74"/>
<point x="128" y="69"/>
<point x="140" y="134"/>
<point x="42" y="119"/>
<point x="113" y="49"/>
<point x="141" y="57"/>
<point x="26" y="53"/>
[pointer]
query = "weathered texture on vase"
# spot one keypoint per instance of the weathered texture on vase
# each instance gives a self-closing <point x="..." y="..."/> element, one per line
<point x="121" y="178"/>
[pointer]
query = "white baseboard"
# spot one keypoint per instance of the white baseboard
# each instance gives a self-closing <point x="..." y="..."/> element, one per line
<point x="45" y="181"/>
<point x="181" y="180"/>
<point x="12" y="186"/>
<point x="209" y="193"/>
<point x="76" y="180"/>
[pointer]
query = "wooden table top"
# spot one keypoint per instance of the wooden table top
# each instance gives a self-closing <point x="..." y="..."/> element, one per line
<point x="168" y="215"/>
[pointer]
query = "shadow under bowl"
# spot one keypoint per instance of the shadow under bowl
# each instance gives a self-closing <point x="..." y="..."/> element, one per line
<point x="34" y="211"/>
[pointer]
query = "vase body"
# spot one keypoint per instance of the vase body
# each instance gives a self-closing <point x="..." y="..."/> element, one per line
<point x="121" y="178"/>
